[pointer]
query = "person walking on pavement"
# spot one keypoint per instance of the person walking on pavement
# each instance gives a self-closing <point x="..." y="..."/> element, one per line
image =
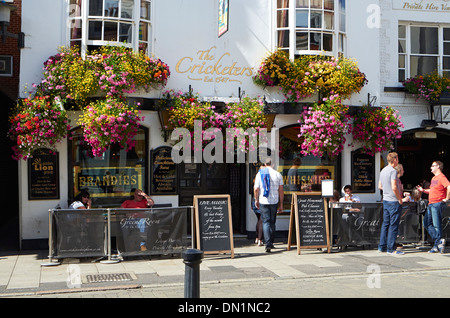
<point x="392" y="203"/>
<point x="269" y="195"/>
<point x="438" y="195"/>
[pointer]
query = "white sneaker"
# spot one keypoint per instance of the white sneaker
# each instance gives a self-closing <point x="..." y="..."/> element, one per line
<point x="441" y="246"/>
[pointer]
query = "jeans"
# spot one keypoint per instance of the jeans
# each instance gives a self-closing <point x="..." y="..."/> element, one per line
<point x="432" y="221"/>
<point x="269" y="217"/>
<point x="389" y="228"/>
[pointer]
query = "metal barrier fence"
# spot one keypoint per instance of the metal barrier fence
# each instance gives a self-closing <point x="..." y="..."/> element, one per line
<point x="359" y="224"/>
<point x="89" y="233"/>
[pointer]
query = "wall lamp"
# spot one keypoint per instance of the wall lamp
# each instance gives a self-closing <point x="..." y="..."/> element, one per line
<point x="5" y="12"/>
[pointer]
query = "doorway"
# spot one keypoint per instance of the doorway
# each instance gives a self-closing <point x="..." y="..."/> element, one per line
<point x="215" y="178"/>
<point x="417" y="149"/>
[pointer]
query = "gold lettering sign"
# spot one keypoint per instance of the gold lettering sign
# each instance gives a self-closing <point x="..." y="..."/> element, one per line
<point x="422" y="5"/>
<point x="205" y="67"/>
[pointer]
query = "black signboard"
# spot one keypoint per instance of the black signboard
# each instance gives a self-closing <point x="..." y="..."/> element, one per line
<point x="151" y="231"/>
<point x="213" y="223"/>
<point x="80" y="233"/>
<point x="363" y="172"/>
<point x="43" y="175"/>
<point x="359" y="224"/>
<point x="164" y="171"/>
<point x="309" y="213"/>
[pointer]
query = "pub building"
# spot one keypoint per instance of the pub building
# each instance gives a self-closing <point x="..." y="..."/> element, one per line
<point x="215" y="48"/>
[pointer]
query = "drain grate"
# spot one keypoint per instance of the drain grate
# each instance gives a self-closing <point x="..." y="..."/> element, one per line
<point x="101" y="278"/>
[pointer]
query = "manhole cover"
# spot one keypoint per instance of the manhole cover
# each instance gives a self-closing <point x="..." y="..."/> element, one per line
<point x="101" y="278"/>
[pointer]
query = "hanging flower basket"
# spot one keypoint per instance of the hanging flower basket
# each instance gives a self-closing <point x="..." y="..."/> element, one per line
<point x="376" y="128"/>
<point x="245" y="119"/>
<point x="323" y="127"/>
<point x="107" y="122"/>
<point x="39" y="122"/>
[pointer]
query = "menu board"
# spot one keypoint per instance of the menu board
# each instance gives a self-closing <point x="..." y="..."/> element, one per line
<point x="213" y="223"/>
<point x="309" y="214"/>
<point x="363" y="172"/>
<point x="164" y="171"/>
<point x="43" y="175"/>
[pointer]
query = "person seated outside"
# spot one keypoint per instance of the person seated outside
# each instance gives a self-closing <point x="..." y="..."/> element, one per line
<point x="140" y="200"/>
<point x="350" y="198"/>
<point x="82" y="201"/>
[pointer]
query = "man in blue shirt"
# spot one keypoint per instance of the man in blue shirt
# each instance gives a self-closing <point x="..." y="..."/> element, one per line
<point x="269" y="195"/>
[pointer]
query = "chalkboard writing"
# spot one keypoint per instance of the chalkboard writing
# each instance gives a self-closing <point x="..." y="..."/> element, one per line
<point x="43" y="175"/>
<point x="363" y="172"/>
<point x="164" y="171"/>
<point x="213" y="223"/>
<point x="310" y="215"/>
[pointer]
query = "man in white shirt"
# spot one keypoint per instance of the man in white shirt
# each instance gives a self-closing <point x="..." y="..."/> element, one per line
<point x="269" y="195"/>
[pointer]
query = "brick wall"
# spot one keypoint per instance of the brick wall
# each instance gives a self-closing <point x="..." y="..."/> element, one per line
<point x="10" y="85"/>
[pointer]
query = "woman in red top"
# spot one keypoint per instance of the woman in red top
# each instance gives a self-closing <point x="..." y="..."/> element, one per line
<point x="438" y="195"/>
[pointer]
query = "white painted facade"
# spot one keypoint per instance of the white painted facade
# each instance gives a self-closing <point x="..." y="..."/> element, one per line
<point x="185" y="36"/>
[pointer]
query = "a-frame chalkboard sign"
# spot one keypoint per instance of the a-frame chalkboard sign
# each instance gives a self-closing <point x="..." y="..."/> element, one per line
<point x="213" y="224"/>
<point x="309" y="214"/>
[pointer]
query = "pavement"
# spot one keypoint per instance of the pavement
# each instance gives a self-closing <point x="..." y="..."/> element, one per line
<point x="252" y="273"/>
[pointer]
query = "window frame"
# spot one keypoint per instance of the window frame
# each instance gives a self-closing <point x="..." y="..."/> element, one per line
<point x="287" y="9"/>
<point x="78" y="16"/>
<point x="404" y="68"/>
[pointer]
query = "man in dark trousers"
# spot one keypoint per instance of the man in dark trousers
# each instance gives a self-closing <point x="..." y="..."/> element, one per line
<point x="269" y="195"/>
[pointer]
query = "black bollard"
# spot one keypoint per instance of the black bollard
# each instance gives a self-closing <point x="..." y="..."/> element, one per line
<point x="192" y="258"/>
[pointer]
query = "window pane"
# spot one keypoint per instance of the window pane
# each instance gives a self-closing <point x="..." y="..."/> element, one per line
<point x="315" y="41"/>
<point x="316" y="19"/>
<point x="302" y="41"/>
<point x="329" y="20"/>
<point x="327" y="42"/>
<point x="145" y="10"/>
<point x="316" y="4"/>
<point x="402" y="31"/>
<point x="421" y="65"/>
<point x="301" y="19"/>
<point x="282" y="19"/>
<point x="95" y="30"/>
<point x="127" y="9"/>
<point x="283" y="38"/>
<point x="401" y="75"/>
<point x="143" y="31"/>
<point x="95" y="7"/>
<point x="125" y="33"/>
<point x="75" y="29"/>
<point x="329" y="5"/>
<point x="401" y="61"/>
<point x="75" y="8"/>
<point x="302" y="4"/>
<point x="282" y="4"/>
<point x="401" y="46"/>
<point x="111" y="8"/>
<point x="424" y="40"/>
<point x="446" y="63"/>
<point x="446" y="34"/>
<point x="110" y="31"/>
<point x="447" y="48"/>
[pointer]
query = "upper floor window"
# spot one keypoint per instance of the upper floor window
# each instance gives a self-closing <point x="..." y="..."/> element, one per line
<point x="311" y="26"/>
<point x="423" y="49"/>
<point x="95" y="23"/>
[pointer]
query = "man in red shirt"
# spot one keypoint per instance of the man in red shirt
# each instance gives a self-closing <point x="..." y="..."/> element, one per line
<point x="438" y="195"/>
<point x="140" y="201"/>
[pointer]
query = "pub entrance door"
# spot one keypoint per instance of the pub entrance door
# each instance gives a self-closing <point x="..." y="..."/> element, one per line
<point x="215" y="178"/>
